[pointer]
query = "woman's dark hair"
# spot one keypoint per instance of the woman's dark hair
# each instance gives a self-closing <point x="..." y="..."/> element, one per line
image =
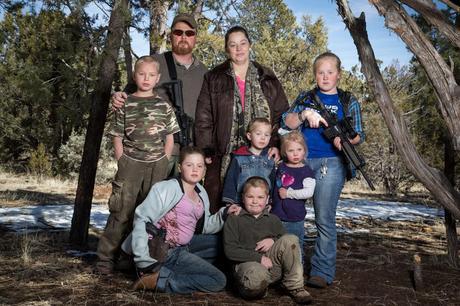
<point x="233" y="30"/>
<point x="186" y="151"/>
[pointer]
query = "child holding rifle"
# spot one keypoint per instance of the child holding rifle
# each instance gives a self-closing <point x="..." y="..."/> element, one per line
<point x="325" y="158"/>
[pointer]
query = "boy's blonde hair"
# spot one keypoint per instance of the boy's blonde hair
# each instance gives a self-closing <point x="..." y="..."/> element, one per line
<point x="260" y="120"/>
<point x="146" y="59"/>
<point x="327" y="55"/>
<point x="255" y="182"/>
<point x="294" y="136"/>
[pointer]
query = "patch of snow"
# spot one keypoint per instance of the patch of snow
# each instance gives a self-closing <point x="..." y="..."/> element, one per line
<point x="59" y="217"/>
<point x="48" y="217"/>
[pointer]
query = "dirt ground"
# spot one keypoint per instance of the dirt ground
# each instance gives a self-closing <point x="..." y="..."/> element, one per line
<point x="374" y="267"/>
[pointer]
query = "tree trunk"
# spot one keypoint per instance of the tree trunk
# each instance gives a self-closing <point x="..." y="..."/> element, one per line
<point x="449" y="220"/>
<point x="98" y="113"/>
<point x="438" y="72"/>
<point x="435" y="18"/>
<point x="433" y="179"/>
<point x="198" y="10"/>
<point x="158" y="10"/>
<point x="128" y="56"/>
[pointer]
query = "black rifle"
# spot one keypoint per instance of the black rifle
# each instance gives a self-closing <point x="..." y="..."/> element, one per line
<point x="184" y="121"/>
<point x="343" y="130"/>
<point x="175" y="91"/>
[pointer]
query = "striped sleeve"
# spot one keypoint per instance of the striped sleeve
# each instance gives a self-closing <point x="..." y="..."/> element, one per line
<point x="354" y="111"/>
<point x="296" y="107"/>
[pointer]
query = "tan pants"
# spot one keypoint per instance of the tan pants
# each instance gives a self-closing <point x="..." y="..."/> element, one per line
<point x="253" y="278"/>
<point x="130" y="187"/>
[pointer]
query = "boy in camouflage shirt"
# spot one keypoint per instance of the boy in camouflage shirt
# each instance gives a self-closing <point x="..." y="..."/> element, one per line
<point x="143" y="141"/>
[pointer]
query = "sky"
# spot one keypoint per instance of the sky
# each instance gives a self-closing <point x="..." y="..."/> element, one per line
<point x="388" y="47"/>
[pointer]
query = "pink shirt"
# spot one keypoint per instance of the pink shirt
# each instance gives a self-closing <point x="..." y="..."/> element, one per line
<point x="242" y="88"/>
<point x="180" y="222"/>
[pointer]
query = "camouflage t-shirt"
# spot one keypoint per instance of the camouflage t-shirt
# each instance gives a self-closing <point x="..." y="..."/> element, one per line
<point x="143" y="123"/>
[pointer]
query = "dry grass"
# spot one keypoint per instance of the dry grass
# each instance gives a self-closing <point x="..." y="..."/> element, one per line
<point x="20" y="189"/>
<point x="373" y="266"/>
<point x="372" y="269"/>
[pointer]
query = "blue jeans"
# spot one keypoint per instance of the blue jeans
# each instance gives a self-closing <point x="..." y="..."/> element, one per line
<point x="184" y="272"/>
<point x="298" y="229"/>
<point x="208" y="247"/>
<point x="330" y="176"/>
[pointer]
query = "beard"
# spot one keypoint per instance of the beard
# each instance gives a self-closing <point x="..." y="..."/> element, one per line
<point x="182" y="48"/>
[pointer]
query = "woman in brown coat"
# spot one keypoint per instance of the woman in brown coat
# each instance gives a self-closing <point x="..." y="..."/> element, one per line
<point x="232" y="94"/>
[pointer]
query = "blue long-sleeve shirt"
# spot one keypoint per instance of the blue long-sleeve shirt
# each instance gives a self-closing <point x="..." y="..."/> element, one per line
<point x="318" y="145"/>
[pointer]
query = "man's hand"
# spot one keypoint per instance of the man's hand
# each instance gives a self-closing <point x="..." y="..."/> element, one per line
<point x="264" y="245"/>
<point x="118" y="99"/>
<point x="266" y="262"/>
<point x="283" y="193"/>
<point x="274" y="153"/>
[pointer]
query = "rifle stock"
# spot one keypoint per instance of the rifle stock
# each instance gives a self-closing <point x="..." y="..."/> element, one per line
<point x="184" y="121"/>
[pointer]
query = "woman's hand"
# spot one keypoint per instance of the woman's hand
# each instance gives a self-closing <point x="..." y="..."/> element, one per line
<point x="314" y="119"/>
<point x="274" y="153"/>
<point x="118" y="99"/>
<point x="264" y="245"/>
<point x="208" y="160"/>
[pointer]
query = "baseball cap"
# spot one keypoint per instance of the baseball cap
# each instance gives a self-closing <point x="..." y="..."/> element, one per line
<point x="187" y="18"/>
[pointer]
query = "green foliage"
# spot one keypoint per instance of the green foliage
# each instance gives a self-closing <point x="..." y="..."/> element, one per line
<point x="281" y="44"/>
<point x="425" y="120"/>
<point x="385" y="166"/>
<point x="47" y="71"/>
<point x="39" y="162"/>
<point x="70" y="155"/>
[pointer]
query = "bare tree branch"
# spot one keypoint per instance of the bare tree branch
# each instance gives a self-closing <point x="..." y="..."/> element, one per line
<point x="438" y="72"/>
<point x="452" y="5"/>
<point x="433" y="179"/>
<point x="428" y="10"/>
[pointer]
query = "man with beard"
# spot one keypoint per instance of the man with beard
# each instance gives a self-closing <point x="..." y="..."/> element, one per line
<point x="189" y="70"/>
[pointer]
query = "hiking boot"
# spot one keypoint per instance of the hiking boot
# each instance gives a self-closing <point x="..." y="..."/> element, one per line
<point x="103" y="268"/>
<point x="125" y="263"/>
<point x="316" y="281"/>
<point x="146" y="282"/>
<point x="300" y="296"/>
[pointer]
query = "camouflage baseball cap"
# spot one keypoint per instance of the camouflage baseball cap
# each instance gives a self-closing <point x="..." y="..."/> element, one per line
<point x="187" y="18"/>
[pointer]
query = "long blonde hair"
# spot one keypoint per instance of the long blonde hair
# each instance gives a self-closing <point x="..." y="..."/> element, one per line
<point x="294" y="136"/>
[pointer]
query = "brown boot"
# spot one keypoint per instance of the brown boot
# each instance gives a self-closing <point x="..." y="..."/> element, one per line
<point x="146" y="282"/>
<point x="316" y="281"/>
<point x="103" y="268"/>
<point x="300" y="296"/>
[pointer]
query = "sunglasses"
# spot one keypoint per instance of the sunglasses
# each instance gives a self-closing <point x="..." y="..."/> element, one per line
<point x="188" y="33"/>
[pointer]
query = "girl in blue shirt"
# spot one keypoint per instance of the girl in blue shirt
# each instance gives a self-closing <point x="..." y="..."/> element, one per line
<point x="325" y="158"/>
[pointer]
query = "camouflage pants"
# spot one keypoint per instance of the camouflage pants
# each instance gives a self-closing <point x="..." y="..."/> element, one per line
<point x="253" y="278"/>
<point x="130" y="187"/>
